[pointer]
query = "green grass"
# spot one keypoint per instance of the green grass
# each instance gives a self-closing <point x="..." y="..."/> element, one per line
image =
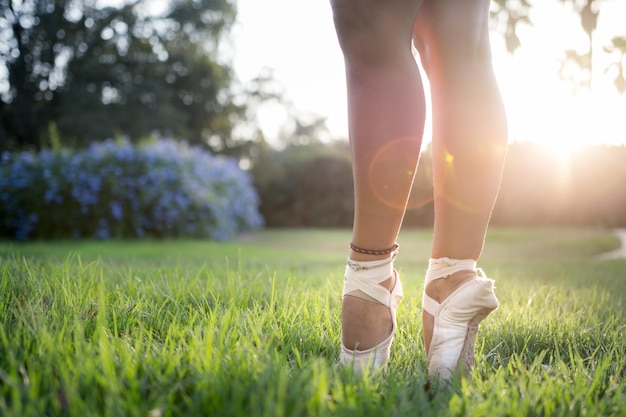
<point x="251" y="328"/>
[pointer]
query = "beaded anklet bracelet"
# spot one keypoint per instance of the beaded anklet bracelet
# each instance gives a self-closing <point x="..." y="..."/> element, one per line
<point x="387" y="251"/>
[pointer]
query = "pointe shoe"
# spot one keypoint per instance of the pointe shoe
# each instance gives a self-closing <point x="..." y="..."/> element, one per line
<point x="377" y="356"/>
<point x="456" y="324"/>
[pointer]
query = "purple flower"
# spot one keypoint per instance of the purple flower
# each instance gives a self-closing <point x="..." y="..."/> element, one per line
<point x="161" y="188"/>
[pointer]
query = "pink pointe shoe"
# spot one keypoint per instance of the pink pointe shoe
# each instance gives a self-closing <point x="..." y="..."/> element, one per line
<point x="362" y="281"/>
<point x="457" y="318"/>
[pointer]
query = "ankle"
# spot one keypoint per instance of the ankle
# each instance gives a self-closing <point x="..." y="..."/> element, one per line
<point x="444" y="267"/>
<point x="440" y="289"/>
<point x="360" y="254"/>
<point x="364" y="257"/>
<point x="370" y="277"/>
<point x="389" y="282"/>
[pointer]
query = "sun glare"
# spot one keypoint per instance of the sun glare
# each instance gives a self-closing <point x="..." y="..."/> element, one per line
<point x="540" y="110"/>
<point x="543" y="108"/>
<point x="540" y="107"/>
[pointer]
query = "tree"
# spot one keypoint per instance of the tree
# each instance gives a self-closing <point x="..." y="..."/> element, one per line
<point x="618" y="51"/>
<point x="588" y="10"/>
<point x="96" y="72"/>
<point x="576" y="66"/>
<point x="506" y="15"/>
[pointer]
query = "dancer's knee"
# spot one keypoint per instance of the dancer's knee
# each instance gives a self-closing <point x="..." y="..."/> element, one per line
<point x="453" y="34"/>
<point x="372" y="30"/>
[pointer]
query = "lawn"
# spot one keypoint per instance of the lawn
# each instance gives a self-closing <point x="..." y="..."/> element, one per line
<point x="251" y="328"/>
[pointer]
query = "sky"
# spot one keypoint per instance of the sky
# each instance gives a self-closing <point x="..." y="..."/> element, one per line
<point x="296" y="40"/>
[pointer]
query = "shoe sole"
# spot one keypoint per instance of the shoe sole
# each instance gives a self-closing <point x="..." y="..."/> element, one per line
<point x="467" y="358"/>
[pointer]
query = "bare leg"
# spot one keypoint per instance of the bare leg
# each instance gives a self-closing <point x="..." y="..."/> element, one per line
<point x="469" y="132"/>
<point x="386" y="120"/>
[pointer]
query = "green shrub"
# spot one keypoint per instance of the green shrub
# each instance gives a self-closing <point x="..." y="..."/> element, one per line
<point x="306" y="186"/>
<point x="311" y="186"/>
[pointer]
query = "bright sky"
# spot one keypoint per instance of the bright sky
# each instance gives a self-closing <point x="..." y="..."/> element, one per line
<point x="297" y="40"/>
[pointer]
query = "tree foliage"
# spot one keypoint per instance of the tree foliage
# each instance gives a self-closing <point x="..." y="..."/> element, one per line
<point x="544" y="187"/>
<point x="582" y="62"/>
<point x="305" y="185"/>
<point x="506" y="15"/>
<point x="617" y="49"/>
<point x="311" y="186"/>
<point x="97" y="71"/>
<point x="576" y="66"/>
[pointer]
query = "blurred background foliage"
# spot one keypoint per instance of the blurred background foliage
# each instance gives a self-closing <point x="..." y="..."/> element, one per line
<point x="99" y="71"/>
<point x="74" y="74"/>
<point x="311" y="185"/>
<point x="137" y="66"/>
<point x="576" y="66"/>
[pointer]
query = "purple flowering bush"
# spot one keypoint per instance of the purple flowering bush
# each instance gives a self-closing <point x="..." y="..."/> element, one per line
<point x="115" y="189"/>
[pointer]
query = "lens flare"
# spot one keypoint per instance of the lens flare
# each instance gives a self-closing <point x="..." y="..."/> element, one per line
<point x="392" y="173"/>
<point x="461" y="182"/>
